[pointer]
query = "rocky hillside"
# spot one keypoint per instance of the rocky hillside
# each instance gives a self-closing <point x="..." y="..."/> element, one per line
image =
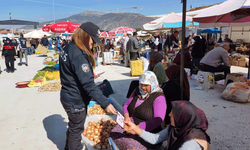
<point x="106" y="21"/>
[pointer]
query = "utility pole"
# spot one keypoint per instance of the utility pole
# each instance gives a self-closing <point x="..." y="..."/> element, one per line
<point x="54" y="11"/>
<point x="118" y="20"/>
<point x="183" y="44"/>
<point x="11" y="26"/>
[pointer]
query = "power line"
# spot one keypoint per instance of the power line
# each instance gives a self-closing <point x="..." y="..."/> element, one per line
<point x="55" y="4"/>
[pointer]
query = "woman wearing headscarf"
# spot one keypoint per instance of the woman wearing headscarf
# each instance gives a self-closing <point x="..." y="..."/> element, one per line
<point x="77" y="79"/>
<point x="157" y="67"/>
<point x="187" y="130"/>
<point x="9" y="53"/>
<point x="146" y="108"/>
<point x="172" y="89"/>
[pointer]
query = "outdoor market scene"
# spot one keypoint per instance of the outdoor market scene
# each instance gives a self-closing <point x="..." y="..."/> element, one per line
<point x="170" y="75"/>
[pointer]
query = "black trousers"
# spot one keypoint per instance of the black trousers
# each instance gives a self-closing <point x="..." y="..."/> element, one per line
<point x="134" y="55"/>
<point x="221" y="68"/>
<point x="75" y="127"/>
<point x="9" y="62"/>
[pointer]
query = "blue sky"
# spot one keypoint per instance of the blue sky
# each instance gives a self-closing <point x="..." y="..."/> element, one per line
<point x="42" y="10"/>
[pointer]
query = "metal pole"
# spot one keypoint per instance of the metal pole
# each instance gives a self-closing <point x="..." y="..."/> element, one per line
<point x="11" y="27"/>
<point x="183" y="44"/>
<point x="54" y="11"/>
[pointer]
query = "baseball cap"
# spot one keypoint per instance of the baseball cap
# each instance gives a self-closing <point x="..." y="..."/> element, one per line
<point x="129" y="32"/>
<point x="92" y="30"/>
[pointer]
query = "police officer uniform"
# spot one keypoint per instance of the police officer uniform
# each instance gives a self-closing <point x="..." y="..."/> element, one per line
<point x="9" y="52"/>
<point x="23" y="47"/>
<point x="78" y="87"/>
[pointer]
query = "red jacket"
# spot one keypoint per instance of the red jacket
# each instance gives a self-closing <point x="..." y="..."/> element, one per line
<point x="8" y="50"/>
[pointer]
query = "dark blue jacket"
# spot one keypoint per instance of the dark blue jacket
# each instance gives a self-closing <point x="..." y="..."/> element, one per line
<point x="45" y="42"/>
<point x="77" y="79"/>
<point x="22" y="42"/>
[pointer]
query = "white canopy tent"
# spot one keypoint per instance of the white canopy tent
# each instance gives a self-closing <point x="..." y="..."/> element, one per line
<point x="36" y="34"/>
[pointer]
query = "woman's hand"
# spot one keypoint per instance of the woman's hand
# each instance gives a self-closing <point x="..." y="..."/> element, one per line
<point x="15" y="57"/>
<point x="96" y="76"/>
<point x="126" y="117"/>
<point x="2" y="57"/>
<point x="110" y="109"/>
<point x="131" y="128"/>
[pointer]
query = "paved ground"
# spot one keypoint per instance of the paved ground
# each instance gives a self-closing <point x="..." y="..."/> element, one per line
<point x="34" y="120"/>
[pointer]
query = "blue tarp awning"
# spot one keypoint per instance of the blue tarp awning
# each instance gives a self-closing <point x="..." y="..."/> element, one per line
<point x="210" y="30"/>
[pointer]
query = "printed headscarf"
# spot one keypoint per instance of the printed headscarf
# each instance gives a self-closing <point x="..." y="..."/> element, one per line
<point x="149" y="78"/>
<point x="190" y="123"/>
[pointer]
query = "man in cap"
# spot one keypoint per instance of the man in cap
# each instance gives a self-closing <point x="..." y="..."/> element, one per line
<point x="132" y="47"/>
<point x="129" y="34"/>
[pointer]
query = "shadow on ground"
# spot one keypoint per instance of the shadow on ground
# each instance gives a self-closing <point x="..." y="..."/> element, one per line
<point x="56" y="130"/>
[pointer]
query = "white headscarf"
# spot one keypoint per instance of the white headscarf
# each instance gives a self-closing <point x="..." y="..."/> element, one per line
<point x="156" y="41"/>
<point x="149" y="78"/>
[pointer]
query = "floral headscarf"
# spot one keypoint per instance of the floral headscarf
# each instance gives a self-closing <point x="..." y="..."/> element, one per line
<point x="149" y="78"/>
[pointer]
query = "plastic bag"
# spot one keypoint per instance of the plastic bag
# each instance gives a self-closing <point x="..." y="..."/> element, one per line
<point x="237" y="92"/>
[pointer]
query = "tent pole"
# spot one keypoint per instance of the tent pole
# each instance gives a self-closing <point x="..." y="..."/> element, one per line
<point x="183" y="44"/>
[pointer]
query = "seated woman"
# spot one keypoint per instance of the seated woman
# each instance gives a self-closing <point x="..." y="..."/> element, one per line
<point x="187" y="130"/>
<point x="172" y="88"/>
<point x="157" y="67"/>
<point x="146" y="108"/>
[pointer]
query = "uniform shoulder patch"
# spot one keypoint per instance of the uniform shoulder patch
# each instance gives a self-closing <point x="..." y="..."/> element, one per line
<point x="85" y="67"/>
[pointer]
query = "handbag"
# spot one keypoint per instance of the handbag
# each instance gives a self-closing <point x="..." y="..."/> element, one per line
<point x="106" y="88"/>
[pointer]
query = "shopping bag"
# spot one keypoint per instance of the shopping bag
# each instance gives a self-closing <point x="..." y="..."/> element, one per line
<point x="136" y="67"/>
<point x="106" y="88"/>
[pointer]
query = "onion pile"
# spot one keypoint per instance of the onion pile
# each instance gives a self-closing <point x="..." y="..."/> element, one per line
<point x="96" y="110"/>
<point x="98" y="132"/>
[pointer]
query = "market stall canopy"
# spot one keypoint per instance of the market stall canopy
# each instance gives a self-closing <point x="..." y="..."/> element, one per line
<point x="18" y="22"/>
<point x="143" y="33"/>
<point x="231" y="11"/>
<point x="171" y="20"/>
<point x="36" y="34"/>
<point x="104" y="34"/>
<point x="210" y="30"/>
<point x="121" y="31"/>
<point x="61" y="27"/>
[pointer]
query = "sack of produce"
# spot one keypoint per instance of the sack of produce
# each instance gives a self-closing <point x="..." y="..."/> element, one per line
<point x="54" y="86"/>
<point x="237" y="92"/>
<point x="96" y="133"/>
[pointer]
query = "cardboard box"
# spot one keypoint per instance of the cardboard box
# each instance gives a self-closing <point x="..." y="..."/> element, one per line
<point x="42" y="49"/>
<point x="230" y="61"/>
<point x="242" y="63"/>
<point x="235" y="62"/>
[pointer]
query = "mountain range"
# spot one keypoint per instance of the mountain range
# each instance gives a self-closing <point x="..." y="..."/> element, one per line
<point x="105" y="21"/>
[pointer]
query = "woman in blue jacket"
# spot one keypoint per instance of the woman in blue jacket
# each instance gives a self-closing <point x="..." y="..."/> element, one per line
<point x="77" y="79"/>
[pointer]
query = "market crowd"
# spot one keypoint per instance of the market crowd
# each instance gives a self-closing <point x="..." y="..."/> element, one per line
<point x="22" y="47"/>
<point x="157" y="110"/>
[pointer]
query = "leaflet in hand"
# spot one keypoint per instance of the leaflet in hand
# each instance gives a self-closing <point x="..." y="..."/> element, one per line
<point x="120" y="119"/>
<point x="99" y="73"/>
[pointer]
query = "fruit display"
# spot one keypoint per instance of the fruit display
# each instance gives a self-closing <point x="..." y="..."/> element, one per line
<point x="55" y="86"/>
<point x="55" y="75"/>
<point x="39" y="74"/>
<point x="49" y="68"/>
<point x="37" y="82"/>
<point x="96" y="110"/>
<point x="98" y="132"/>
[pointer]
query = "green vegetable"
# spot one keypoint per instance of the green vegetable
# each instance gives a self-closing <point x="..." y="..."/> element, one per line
<point x="39" y="74"/>
<point x="49" y="57"/>
<point x="49" y="68"/>
<point x="52" y="63"/>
